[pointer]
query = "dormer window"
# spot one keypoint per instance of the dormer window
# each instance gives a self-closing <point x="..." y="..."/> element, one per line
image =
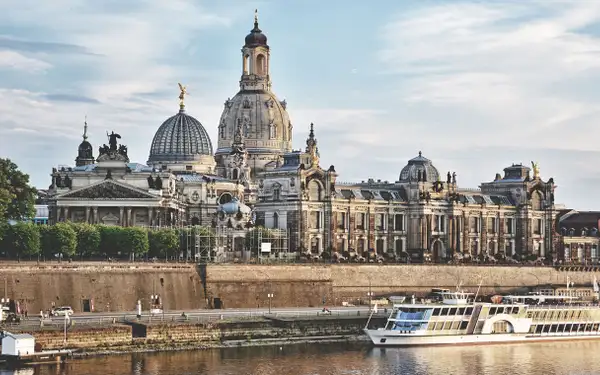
<point x="594" y="232"/>
<point x="584" y="232"/>
<point x="563" y="231"/>
<point x="572" y="232"/>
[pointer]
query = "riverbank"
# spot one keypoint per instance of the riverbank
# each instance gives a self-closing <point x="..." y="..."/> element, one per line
<point x="136" y="336"/>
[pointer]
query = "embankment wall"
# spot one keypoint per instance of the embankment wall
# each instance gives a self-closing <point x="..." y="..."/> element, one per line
<point x="117" y="287"/>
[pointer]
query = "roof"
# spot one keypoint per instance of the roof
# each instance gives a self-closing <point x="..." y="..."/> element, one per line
<point x="370" y="194"/>
<point x="19" y="336"/>
<point x="134" y="167"/>
<point x="486" y="199"/>
<point x="580" y="220"/>
<point x="200" y="178"/>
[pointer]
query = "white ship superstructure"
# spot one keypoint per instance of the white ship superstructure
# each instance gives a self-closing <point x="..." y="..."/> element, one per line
<point x="457" y="319"/>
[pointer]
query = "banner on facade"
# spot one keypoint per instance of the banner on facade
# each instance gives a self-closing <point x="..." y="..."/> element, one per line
<point x="265" y="247"/>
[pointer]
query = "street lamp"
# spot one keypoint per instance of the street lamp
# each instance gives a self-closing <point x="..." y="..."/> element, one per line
<point x="270" y="296"/>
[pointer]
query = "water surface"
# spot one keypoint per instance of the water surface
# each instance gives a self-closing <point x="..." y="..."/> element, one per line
<point x="344" y="359"/>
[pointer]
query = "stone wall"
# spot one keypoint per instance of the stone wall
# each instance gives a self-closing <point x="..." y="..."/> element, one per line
<point x="86" y="337"/>
<point x="117" y="287"/>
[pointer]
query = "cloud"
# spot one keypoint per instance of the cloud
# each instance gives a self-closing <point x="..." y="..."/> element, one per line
<point x="17" y="61"/>
<point x="70" y="98"/>
<point x="22" y="45"/>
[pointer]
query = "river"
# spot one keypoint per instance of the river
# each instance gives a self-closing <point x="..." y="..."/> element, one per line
<point x="343" y="359"/>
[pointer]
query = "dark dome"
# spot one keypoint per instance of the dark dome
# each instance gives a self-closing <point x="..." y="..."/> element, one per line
<point x="85" y="146"/>
<point x="411" y="171"/>
<point x="256" y="37"/>
<point x="180" y="138"/>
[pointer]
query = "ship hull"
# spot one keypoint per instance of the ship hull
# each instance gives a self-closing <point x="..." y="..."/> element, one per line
<point x="391" y="339"/>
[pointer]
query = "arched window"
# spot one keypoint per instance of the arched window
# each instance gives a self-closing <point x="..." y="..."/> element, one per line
<point x="563" y="231"/>
<point x="594" y="232"/>
<point x="260" y="65"/>
<point x="572" y="232"/>
<point x="275" y="220"/>
<point x="195" y="221"/>
<point x="584" y="232"/>
<point x="234" y="174"/>
<point x="314" y="190"/>
<point x="245" y="64"/>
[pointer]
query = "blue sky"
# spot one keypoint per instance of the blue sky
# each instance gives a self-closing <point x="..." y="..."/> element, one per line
<point x="474" y="85"/>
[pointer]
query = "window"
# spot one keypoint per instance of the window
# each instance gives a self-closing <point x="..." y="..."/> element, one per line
<point x="537" y="226"/>
<point x="399" y="222"/>
<point x="315" y="220"/>
<point x="594" y="253"/>
<point x="188" y="167"/>
<point x="509" y="225"/>
<point x="276" y="193"/>
<point x="491" y="224"/>
<point x="275" y="220"/>
<point x="380" y="221"/>
<point x="474" y="224"/>
<point x="361" y="220"/>
<point x="567" y="253"/>
<point x="341" y="220"/>
<point x="440" y="223"/>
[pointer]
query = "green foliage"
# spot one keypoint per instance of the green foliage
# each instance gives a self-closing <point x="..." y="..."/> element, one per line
<point x="59" y="239"/>
<point x="110" y="240"/>
<point x="134" y="240"/>
<point x="22" y="239"/>
<point x="17" y="198"/>
<point x="46" y="241"/>
<point x="162" y="242"/>
<point x="88" y="239"/>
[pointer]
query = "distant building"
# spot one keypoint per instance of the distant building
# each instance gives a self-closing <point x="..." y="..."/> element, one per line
<point x="255" y="177"/>
<point x="579" y="236"/>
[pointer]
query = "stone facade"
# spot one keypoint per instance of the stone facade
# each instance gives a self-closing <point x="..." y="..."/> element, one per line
<point x="578" y="237"/>
<point x="424" y="216"/>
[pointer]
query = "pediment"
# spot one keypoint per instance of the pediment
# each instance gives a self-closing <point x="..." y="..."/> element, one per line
<point x="108" y="189"/>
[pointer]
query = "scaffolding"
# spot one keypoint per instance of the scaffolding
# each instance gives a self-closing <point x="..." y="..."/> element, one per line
<point x="222" y="245"/>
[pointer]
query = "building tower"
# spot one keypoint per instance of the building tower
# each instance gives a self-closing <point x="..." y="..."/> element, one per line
<point x="263" y="119"/>
<point x="85" y="151"/>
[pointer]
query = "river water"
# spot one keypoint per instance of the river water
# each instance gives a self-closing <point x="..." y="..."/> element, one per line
<point x="343" y="359"/>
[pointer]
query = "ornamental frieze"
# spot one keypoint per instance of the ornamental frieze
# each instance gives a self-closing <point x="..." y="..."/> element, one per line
<point x="108" y="190"/>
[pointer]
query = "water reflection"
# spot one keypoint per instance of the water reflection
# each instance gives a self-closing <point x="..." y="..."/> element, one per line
<point x="344" y="359"/>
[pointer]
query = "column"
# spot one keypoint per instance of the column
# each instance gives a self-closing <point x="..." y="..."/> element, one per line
<point x="150" y="216"/>
<point x="67" y="218"/>
<point x="87" y="214"/>
<point x="129" y="218"/>
<point x="95" y="220"/>
<point x="58" y="212"/>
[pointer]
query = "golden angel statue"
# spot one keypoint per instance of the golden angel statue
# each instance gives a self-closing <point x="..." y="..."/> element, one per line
<point x="536" y="169"/>
<point x="183" y="92"/>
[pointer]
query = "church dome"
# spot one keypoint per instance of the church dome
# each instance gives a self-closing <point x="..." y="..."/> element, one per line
<point x="85" y="149"/>
<point x="419" y="165"/>
<point x="181" y="139"/>
<point x="256" y="38"/>
<point x="263" y="119"/>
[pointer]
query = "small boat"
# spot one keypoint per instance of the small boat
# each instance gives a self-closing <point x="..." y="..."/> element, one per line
<point x="456" y="318"/>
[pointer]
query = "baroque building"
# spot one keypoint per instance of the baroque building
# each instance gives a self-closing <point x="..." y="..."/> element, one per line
<point x="255" y="178"/>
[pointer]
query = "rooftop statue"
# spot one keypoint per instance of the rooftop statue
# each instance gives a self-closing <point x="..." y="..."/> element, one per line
<point x="536" y="169"/>
<point x="182" y="93"/>
<point x="112" y="140"/>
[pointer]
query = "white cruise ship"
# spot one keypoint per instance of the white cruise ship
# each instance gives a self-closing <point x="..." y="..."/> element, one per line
<point x="457" y="319"/>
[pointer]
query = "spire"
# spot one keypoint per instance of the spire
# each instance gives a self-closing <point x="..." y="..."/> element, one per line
<point x="256" y="21"/>
<point x="85" y="137"/>
<point x="311" y="146"/>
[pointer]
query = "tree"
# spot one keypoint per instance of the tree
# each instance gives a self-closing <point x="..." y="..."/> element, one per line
<point x="162" y="242"/>
<point x="17" y="198"/>
<point x="63" y="240"/>
<point x="46" y="242"/>
<point x="88" y="239"/>
<point x="22" y="239"/>
<point x="110" y="240"/>
<point x="134" y="241"/>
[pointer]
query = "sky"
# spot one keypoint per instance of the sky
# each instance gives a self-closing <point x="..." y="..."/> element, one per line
<point x="475" y="85"/>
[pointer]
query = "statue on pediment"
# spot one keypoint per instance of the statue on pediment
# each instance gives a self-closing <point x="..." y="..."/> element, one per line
<point x="110" y="219"/>
<point x="112" y="140"/>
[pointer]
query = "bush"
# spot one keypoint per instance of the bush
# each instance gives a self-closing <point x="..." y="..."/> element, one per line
<point x="88" y="239"/>
<point x="162" y="242"/>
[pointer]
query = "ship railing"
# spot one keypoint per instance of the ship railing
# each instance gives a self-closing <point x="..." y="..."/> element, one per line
<point x="564" y="306"/>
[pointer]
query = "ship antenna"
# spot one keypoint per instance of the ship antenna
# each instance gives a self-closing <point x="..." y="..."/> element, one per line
<point x="478" y="288"/>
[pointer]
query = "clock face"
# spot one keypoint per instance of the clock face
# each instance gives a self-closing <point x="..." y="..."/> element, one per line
<point x="195" y="196"/>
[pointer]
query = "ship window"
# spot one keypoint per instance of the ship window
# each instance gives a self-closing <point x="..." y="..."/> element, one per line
<point x="453" y="311"/>
<point x="538" y="328"/>
<point x="568" y="327"/>
<point x="455" y="325"/>
<point x="436" y="312"/>
<point x="447" y="325"/>
<point x="444" y="312"/>
<point x="492" y="311"/>
<point x="469" y="311"/>
<point x="515" y="310"/>
<point x="561" y="327"/>
<point x="382" y="341"/>
<point x="464" y="324"/>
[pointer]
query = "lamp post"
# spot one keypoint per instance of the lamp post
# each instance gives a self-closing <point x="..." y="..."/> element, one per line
<point x="270" y="296"/>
